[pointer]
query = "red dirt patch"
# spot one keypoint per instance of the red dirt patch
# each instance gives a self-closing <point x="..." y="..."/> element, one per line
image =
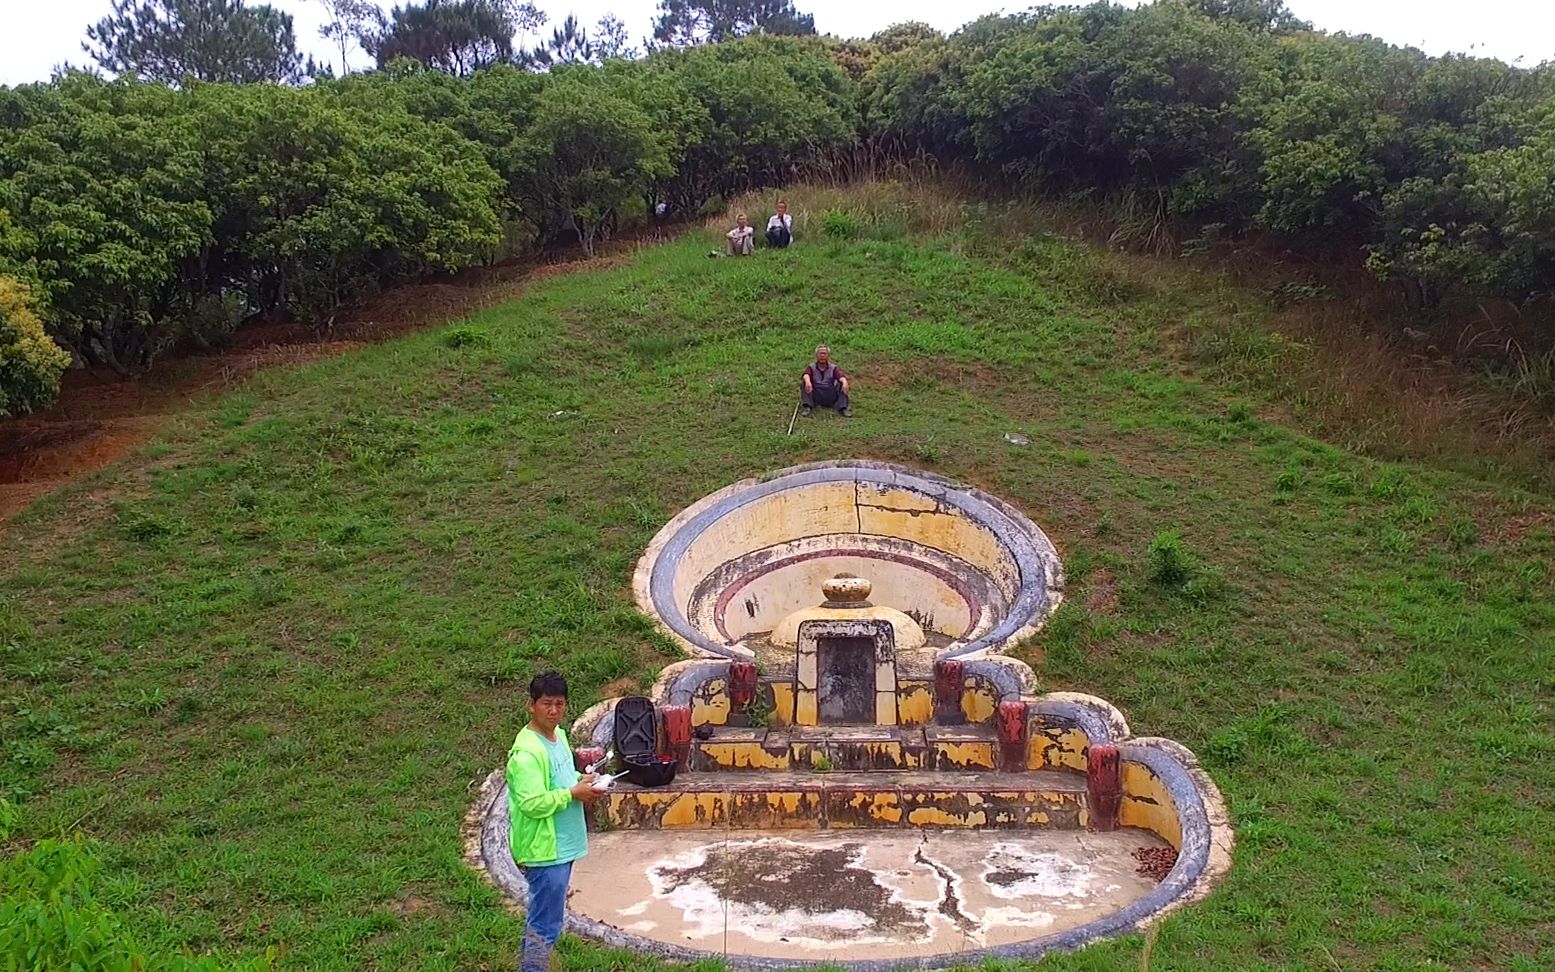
<point x="621" y="686"/>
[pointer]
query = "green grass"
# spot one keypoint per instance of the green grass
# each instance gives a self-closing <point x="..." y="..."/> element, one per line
<point x="264" y="661"/>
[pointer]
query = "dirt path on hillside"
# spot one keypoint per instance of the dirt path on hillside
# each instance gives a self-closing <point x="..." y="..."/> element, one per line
<point x="101" y="417"/>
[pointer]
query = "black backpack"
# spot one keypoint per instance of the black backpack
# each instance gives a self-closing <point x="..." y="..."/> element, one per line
<point x="636" y="739"/>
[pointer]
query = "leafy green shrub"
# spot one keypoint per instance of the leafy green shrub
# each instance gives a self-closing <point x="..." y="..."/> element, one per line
<point x="1168" y="561"/>
<point x="51" y="918"/>
<point x="466" y="337"/>
<point x="30" y="362"/>
<point x="104" y="184"/>
<point x="839" y="224"/>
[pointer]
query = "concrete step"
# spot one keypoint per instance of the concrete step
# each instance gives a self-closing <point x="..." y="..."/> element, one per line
<point x="847" y="749"/>
<point x="831" y="800"/>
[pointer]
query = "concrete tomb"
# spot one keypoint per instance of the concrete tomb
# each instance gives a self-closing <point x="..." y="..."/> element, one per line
<point x="846" y="626"/>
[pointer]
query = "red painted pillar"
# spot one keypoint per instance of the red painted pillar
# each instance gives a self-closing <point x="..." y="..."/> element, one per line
<point x="1012" y="735"/>
<point x="949" y="677"/>
<point x="742" y="684"/>
<point x="1104" y="781"/>
<point x="677" y="733"/>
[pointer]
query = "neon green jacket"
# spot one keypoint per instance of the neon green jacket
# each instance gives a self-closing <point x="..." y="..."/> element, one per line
<point x="532" y="804"/>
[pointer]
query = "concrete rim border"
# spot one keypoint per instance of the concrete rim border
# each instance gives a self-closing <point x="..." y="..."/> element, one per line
<point x="1202" y="862"/>
<point x="1038" y="594"/>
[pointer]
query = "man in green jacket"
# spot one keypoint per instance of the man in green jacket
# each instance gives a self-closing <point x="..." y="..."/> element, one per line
<point x="545" y="808"/>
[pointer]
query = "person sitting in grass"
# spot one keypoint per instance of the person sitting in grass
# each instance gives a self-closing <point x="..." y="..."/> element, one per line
<point x="824" y="384"/>
<point x="545" y="809"/>
<point x="780" y="228"/>
<point x="742" y="239"/>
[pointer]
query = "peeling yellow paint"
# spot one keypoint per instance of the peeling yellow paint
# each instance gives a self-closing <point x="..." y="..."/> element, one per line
<point x="880" y="807"/>
<point x="938" y="817"/>
<point x="1055" y="748"/>
<point x="978" y="705"/>
<point x="714" y="710"/>
<point x="1147" y="804"/>
<point x="696" y="810"/>
<point x="782" y="703"/>
<point x="744" y="755"/>
<point x="967" y="753"/>
<point x="914" y="706"/>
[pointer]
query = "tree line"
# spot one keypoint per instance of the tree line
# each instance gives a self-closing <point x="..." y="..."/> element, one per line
<point x="187" y="196"/>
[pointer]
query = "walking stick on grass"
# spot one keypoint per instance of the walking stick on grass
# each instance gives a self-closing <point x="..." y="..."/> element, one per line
<point x="792" y="419"/>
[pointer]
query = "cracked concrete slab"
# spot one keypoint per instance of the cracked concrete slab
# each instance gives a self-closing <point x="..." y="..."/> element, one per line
<point x="827" y="895"/>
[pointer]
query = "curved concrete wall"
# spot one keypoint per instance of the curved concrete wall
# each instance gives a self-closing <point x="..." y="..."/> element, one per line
<point x="934" y="547"/>
<point x="751" y="594"/>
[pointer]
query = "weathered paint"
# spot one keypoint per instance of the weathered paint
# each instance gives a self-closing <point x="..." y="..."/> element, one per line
<point x="782" y="703"/>
<point x="914" y="703"/>
<point x="710" y="705"/>
<point x="978" y="754"/>
<point x="696" y="810"/>
<point x="1057" y="747"/>
<point x="805" y="709"/>
<point x="776" y="810"/>
<point x="863" y="808"/>
<point x="895" y="512"/>
<point x="935" y="817"/>
<point x="755" y="592"/>
<point x="977" y="703"/>
<point x="989" y="547"/>
<point x="1148" y="804"/>
<point x="742" y="755"/>
<point x="845" y="754"/>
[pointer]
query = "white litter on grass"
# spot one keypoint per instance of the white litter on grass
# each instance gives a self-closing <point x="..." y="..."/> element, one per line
<point x="1016" y="439"/>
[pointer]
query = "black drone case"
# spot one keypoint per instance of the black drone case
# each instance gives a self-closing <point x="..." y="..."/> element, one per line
<point x="636" y="739"/>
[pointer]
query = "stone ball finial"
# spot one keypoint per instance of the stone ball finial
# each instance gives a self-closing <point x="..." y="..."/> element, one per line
<point x="847" y="590"/>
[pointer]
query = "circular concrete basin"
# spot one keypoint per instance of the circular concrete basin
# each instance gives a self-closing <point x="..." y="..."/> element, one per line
<point x="971" y="570"/>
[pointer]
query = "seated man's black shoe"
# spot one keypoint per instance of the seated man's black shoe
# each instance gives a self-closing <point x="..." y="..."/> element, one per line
<point x="806" y="411"/>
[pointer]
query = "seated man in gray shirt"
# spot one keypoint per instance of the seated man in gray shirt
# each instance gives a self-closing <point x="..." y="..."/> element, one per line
<point x="824" y="384"/>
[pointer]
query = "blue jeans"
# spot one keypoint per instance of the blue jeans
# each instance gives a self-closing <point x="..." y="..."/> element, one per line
<point x="543" y="920"/>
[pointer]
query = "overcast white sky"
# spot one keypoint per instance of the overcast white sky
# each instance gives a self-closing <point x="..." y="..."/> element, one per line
<point x="39" y="34"/>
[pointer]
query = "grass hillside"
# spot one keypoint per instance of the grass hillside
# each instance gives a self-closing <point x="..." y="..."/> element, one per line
<point x="263" y="661"/>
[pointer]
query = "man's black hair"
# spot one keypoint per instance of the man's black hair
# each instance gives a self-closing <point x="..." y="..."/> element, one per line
<point x="547" y="683"/>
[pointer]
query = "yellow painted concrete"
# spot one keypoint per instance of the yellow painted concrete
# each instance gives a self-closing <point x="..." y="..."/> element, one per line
<point x="782" y="703"/>
<point x="786" y="810"/>
<point x="697" y="810"/>
<point x="1147" y="804"/>
<point x="774" y="519"/>
<point x="881" y="807"/>
<point x="764" y="603"/>
<point x="973" y="755"/>
<point x="936" y="817"/>
<point x="885" y="511"/>
<point x="978" y="704"/>
<point x="744" y="755"/>
<point x="805" y="713"/>
<point x="1057" y="749"/>
<point x="908" y="633"/>
<point x="914" y="704"/>
<point x="714" y="710"/>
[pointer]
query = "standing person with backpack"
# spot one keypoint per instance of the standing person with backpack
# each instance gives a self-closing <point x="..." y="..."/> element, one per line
<point x="545" y="810"/>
